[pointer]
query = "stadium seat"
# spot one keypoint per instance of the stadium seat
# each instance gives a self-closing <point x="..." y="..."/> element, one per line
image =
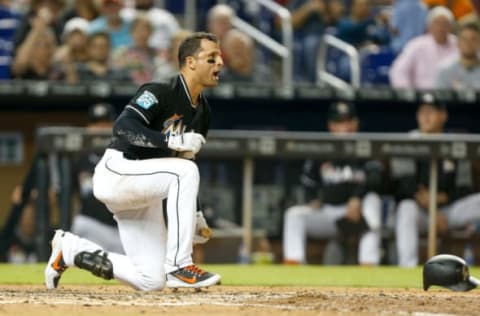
<point x="375" y="64"/>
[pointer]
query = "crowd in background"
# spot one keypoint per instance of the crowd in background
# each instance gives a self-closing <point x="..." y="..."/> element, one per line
<point x="403" y="43"/>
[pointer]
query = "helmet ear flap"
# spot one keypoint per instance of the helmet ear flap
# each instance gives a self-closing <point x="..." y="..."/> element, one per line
<point x="448" y="271"/>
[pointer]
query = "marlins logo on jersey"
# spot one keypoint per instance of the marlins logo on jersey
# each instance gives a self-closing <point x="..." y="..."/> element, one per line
<point x="173" y="125"/>
<point x="146" y="100"/>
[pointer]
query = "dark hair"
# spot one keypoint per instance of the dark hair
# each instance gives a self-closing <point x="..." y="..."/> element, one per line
<point x="469" y="26"/>
<point x="191" y="45"/>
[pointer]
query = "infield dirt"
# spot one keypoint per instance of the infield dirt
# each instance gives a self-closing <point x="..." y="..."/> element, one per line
<point x="228" y="300"/>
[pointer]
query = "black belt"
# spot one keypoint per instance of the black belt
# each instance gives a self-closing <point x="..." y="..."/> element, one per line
<point x="129" y="156"/>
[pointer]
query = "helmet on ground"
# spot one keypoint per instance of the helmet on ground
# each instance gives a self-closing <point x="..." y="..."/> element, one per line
<point x="448" y="271"/>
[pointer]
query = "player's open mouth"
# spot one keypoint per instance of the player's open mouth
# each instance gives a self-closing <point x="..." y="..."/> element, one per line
<point x="216" y="75"/>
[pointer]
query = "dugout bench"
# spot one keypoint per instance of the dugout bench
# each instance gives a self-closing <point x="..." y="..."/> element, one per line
<point x="249" y="146"/>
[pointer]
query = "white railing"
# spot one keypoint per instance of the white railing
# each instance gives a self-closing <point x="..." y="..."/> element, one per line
<point x="325" y="77"/>
<point x="283" y="49"/>
<point x="190" y="15"/>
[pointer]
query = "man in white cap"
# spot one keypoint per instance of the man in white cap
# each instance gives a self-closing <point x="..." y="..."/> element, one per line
<point x="74" y="47"/>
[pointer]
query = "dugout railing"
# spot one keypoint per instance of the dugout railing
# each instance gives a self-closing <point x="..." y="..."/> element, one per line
<point x="62" y="142"/>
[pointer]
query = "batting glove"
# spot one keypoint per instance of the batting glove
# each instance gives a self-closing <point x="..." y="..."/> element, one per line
<point x="186" y="142"/>
<point x="202" y="231"/>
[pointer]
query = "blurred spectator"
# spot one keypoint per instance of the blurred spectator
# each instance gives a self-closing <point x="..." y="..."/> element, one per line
<point x="74" y="48"/>
<point x="459" y="8"/>
<point x="112" y="23"/>
<point x="166" y="63"/>
<point x="43" y="14"/>
<point x="408" y="21"/>
<point x="343" y="200"/>
<point x="163" y="22"/>
<point x="335" y="12"/>
<point x="93" y="220"/>
<point x="242" y="65"/>
<point x="85" y="9"/>
<point x="411" y="182"/>
<point x="137" y="60"/>
<point x="361" y="27"/>
<point x="34" y="57"/>
<point x="463" y="72"/>
<point x="418" y="63"/>
<point x="98" y="66"/>
<point x="9" y="23"/>
<point x="308" y="21"/>
<point x="219" y="20"/>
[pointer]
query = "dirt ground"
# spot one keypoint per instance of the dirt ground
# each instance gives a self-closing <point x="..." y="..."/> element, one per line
<point x="234" y="301"/>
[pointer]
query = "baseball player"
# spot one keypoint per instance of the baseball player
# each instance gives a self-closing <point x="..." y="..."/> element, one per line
<point x="93" y="220"/>
<point x="148" y="185"/>
<point x="411" y="183"/>
<point x="342" y="198"/>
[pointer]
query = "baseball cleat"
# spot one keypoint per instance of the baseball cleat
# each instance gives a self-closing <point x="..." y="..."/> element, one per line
<point x="56" y="266"/>
<point x="191" y="276"/>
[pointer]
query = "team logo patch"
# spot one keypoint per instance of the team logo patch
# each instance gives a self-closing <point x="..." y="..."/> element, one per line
<point x="146" y="100"/>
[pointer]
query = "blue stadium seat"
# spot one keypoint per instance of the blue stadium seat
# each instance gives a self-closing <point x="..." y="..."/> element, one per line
<point x="375" y="63"/>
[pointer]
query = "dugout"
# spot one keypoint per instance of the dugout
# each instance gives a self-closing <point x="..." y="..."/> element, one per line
<point x="28" y="105"/>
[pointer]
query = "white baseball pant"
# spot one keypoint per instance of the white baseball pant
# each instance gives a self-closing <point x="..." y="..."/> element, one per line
<point x="412" y="220"/>
<point x="134" y="190"/>
<point x="301" y="221"/>
<point x="104" y="235"/>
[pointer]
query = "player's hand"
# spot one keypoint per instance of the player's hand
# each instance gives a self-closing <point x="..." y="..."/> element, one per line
<point x="315" y="204"/>
<point x="202" y="231"/>
<point x="422" y="197"/>
<point x="186" y="155"/>
<point x="354" y="209"/>
<point x="186" y="142"/>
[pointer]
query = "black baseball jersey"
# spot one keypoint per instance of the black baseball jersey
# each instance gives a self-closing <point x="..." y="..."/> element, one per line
<point x="157" y="110"/>
<point x="453" y="177"/>
<point x="89" y="205"/>
<point x="335" y="182"/>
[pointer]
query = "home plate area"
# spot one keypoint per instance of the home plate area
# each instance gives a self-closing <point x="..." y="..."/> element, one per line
<point x="230" y="300"/>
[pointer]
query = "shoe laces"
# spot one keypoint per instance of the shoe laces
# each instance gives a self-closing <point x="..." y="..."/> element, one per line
<point x="195" y="270"/>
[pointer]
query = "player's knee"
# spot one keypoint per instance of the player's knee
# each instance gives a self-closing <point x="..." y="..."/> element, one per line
<point x="407" y="209"/>
<point x="373" y="200"/>
<point x="290" y="212"/>
<point x="151" y="283"/>
<point x="190" y="170"/>
<point x="372" y="210"/>
<point x="296" y="210"/>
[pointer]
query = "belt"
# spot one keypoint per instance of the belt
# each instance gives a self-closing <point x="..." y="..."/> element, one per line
<point x="129" y="156"/>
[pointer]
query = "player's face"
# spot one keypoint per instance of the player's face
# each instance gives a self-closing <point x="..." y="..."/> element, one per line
<point x="343" y="126"/>
<point x="430" y="119"/>
<point x="208" y="63"/>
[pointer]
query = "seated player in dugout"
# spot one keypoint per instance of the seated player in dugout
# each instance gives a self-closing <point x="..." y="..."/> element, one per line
<point x="92" y="219"/>
<point x="457" y="207"/>
<point x="343" y="200"/>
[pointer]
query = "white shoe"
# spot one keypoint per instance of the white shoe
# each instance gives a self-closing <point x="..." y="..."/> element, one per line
<point x="192" y="276"/>
<point x="56" y="266"/>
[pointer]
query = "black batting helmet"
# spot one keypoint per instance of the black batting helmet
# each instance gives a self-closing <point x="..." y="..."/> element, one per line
<point x="448" y="271"/>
